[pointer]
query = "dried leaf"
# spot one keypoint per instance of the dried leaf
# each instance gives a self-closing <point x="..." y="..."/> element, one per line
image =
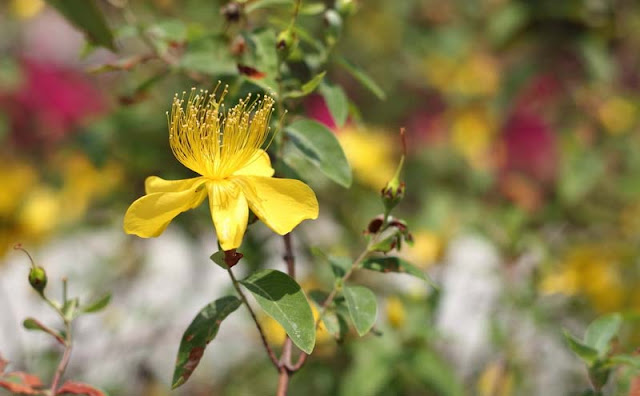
<point x="78" y="388"/>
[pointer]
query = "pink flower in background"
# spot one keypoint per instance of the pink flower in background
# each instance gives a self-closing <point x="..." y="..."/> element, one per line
<point x="51" y="102"/>
<point x="316" y="108"/>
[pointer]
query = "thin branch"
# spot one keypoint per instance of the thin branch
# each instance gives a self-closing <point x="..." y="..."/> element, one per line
<point x="270" y="352"/>
<point x="65" y="358"/>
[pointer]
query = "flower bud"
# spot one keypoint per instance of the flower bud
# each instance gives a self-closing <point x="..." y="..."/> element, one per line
<point x="346" y="7"/>
<point x="286" y="42"/>
<point x="393" y="192"/>
<point x="38" y="278"/>
<point x="333" y="22"/>
<point x="232" y="11"/>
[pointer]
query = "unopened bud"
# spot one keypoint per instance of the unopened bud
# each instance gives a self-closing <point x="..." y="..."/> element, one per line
<point x="286" y="42"/>
<point x="38" y="278"/>
<point x="346" y="7"/>
<point x="333" y="22"/>
<point x="393" y="192"/>
<point x="231" y="11"/>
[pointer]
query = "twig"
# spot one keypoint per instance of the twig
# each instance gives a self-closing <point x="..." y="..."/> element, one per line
<point x="65" y="358"/>
<point x="270" y="352"/>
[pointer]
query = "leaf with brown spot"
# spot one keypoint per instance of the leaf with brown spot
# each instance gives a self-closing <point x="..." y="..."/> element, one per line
<point x="394" y="264"/>
<point x="200" y="332"/>
<point x="78" y="388"/>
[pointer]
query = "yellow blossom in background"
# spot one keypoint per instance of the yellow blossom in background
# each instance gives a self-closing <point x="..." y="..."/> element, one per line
<point x="41" y="212"/>
<point x="396" y="313"/>
<point x="617" y="114"/>
<point x="18" y="177"/>
<point x="629" y="220"/>
<point x="25" y="9"/>
<point x="472" y="134"/>
<point x="591" y="271"/>
<point x="426" y="250"/>
<point x="474" y="74"/>
<point x="370" y="154"/>
<point x="236" y="174"/>
<point x="83" y="183"/>
<point x="495" y="380"/>
<point x="276" y="334"/>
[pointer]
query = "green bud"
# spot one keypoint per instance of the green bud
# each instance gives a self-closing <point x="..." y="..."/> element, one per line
<point x="346" y="7"/>
<point x="333" y="22"/>
<point x="393" y="192"/>
<point x="286" y="42"/>
<point x="38" y="279"/>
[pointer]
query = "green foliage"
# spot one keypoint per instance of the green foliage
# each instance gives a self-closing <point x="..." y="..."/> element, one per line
<point x="86" y="16"/>
<point x="363" y="307"/>
<point x="202" y="330"/>
<point x="393" y="264"/>
<point x="337" y="102"/>
<point x="97" y="305"/>
<point x="283" y="299"/>
<point x="320" y="148"/>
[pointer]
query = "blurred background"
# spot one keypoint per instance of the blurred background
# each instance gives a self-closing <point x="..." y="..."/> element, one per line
<point x="523" y="193"/>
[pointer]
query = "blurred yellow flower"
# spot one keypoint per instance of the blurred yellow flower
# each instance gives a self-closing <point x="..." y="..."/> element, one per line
<point x="25" y="9"/>
<point x="474" y="74"/>
<point x="591" y="271"/>
<point x="40" y="212"/>
<point x="617" y="115"/>
<point x="472" y="133"/>
<point x="426" y="250"/>
<point x="495" y="380"/>
<point x="236" y="174"/>
<point x="370" y="154"/>
<point x="396" y="313"/>
<point x="17" y="179"/>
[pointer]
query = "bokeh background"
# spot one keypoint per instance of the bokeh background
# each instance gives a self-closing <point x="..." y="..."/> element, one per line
<point x="523" y="195"/>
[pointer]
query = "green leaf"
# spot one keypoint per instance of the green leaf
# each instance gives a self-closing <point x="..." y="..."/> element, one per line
<point x="312" y="9"/>
<point x="362" y="78"/>
<point x="333" y="320"/>
<point x="260" y="4"/>
<point x="340" y="265"/>
<point x="308" y="87"/>
<point x="601" y="331"/>
<point x="209" y="56"/>
<point x="86" y="16"/>
<point x="98" y="305"/>
<point x="394" y="264"/>
<point x="337" y="102"/>
<point x="218" y="258"/>
<point x="69" y="308"/>
<point x="584" y="352"/>
<point x="627" y="360"/>
<point x="200" y="332"/>
<point x="34" y="324"/>
<point x="363" y="307"/>
<point x="282" y="299"/>
<point x="265" y="59"/>
<point x="321" y="147"/>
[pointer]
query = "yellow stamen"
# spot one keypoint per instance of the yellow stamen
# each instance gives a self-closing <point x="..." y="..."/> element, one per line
<point x="213" y="143"/>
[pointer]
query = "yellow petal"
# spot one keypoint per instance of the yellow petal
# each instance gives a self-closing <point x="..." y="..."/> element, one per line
<point x="280" y="203"/>
<point x="150" y="215"/>
<point x="229" y="212"/>
<point x="258" y="165"/>
<point x="154" y="184"/>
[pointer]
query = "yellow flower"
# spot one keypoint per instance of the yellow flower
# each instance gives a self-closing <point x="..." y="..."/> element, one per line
<point x="396" y="313"/>
<point x="236" y="174"/>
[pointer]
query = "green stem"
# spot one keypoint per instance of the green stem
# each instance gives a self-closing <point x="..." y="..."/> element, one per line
<point x="270" y="352"/>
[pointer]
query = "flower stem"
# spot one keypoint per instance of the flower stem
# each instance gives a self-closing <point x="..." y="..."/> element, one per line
<point x="62" y="365"/>
<point x="270" y="352"/>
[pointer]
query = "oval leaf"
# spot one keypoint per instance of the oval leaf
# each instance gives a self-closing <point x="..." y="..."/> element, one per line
<point x="98" y="305"/>
<point x="200" y="332"/>
<point x="78" y="388"/>
<point x="337" y="102"/>
<point x="601" y="331"/>
<point x="395" y="264"/>
<point x="321" y="147"/>
<point x="282" y="299"/>
<point x="86" y="16"/>
<point x="363" y="78"/>
<point x="584" y="352"/>
<point x="362" y="306"/>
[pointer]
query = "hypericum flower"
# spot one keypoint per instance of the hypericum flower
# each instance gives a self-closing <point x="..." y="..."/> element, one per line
<point x="236" y="173"/>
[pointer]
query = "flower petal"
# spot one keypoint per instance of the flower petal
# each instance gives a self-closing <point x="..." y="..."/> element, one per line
<point x="258" y="165"/>
<point x="154" y="184"/>
<point x="149" y="215"/>
<point x="280" y="203"/>
<point x="229" y="212"/>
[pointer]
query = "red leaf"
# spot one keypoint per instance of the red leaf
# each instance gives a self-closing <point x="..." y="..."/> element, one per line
<point x="18" y="388"/>
<point x="26" y="384"/>
<point x="250" y="72"/>
<point x="3" y="364"/>
<point x="77" y="388"/>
